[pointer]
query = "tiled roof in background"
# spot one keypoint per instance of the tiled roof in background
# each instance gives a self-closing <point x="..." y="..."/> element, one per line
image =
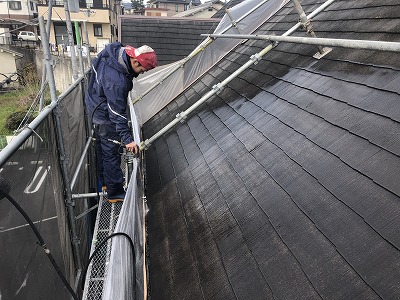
<point x="286" y="185"/>
<point x="172" y="38"/>
<point x="227" y="5"/>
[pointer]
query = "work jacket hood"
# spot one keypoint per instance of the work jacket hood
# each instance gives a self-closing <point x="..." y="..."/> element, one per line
<point x="112" y="56"/>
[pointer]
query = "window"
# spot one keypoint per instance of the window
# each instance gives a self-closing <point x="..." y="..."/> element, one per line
<point x="14" y="5"/>
<point x="176" y="7"/>
<point x="98" y="30"/>
<point x="186" y="7"/>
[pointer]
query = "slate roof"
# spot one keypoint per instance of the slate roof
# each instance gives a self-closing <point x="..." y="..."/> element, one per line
<point x="286" y="185"/>
<point x="172" y="38"/>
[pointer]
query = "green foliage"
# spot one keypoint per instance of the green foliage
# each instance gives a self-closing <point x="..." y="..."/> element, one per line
<point x="16" y="118"/>
<point x="136" y="5"/>
<point x="17" y="102"/>
<point x="3" y="141"/>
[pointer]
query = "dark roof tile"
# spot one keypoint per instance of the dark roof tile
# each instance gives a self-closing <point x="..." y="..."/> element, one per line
<point x="172" y="39"/>
<point x="289" y="174"/>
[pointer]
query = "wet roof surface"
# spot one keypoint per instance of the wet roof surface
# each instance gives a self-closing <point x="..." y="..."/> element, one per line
<point x="172" y="38"/>
<point x="286" y="184"/>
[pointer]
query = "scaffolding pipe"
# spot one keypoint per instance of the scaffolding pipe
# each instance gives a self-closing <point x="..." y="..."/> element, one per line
<point x="310" y="16"/>
<point x="196" y="51"/>
<point x="87" y="195"/>
<point x="87" y="43"/>
<point x="50" y="10"/>
<point x="64" y="165"/>
<point x="233" y="21"/>
<point x="71" y="40"/>
<point x="306" y="22"/>
<point x="79" y="46"/>
<point x="48" y="61"/>
<point x="18" y="140"/>
<point x="86" y="212"/>
<point x="216" y="88"/>
<point x="80" y="163"/>
<point x="70" y="203"/>
<point x="344" y="43"/>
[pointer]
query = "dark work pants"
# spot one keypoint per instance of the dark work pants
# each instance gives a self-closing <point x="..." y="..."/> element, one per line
<point x="109" y="159"/>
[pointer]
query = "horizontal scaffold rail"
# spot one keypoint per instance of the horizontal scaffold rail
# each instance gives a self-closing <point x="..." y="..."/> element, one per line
<point x="218" y="87"/>
<point x="203" y="45"/>
<point x="344" y="43"/>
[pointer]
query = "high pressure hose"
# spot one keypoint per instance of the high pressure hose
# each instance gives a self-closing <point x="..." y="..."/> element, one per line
<point x="101" y="245"/>
<point x="5" y="188"/>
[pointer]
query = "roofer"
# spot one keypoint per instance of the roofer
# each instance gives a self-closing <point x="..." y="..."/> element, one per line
<point x="106" y="100"/>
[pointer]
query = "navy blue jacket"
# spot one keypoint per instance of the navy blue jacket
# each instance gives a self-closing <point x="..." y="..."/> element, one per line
<point x="111" y="80"/>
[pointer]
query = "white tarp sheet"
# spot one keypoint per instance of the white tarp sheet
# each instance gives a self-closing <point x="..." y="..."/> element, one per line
<point x="183" y="76"/>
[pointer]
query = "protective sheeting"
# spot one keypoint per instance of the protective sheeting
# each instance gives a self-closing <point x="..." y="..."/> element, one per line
<point x="71" y="113"/>
<point x="125" y="273"/>
<point x="37" y="185"/>
<point x="185" y="74"/>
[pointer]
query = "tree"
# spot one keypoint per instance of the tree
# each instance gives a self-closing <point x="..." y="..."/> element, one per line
<point x="137" y="4"/>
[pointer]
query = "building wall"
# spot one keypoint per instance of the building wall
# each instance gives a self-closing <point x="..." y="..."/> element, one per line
<point x="15" y="18"/>
<point x="155" y="12"/>
<point x="23" y="13"/>
<point x="105" y="17"/>
<point x="7" y="66"/>
<point x="171" y="8"/>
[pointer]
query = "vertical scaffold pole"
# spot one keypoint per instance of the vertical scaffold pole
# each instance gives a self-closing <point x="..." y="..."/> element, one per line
<point x="71" y="41"/>
<point x="87" y="42"/>
<point x="70" y="203"/>
<point x="49" y="13"/>
<point x="79" y="45"/>
<point x="308" y="27"/>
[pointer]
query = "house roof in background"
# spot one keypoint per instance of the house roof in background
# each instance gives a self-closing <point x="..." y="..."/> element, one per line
<point x="172" y="38"/>
<point x="196" y="9"/>
<point x="286" y="184"/>
<point x="172" y="1"/>
<point x="220" y="13"/>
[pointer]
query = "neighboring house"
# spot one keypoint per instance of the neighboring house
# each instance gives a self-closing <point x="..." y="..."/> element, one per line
<point x="206" y="10"/>
<point x="172" y="7"/>
<point x="171" y="38"/>
<point x="9" y="63"/>
<point x="100" y="17"/>
<point x="18" y="15"/>
<point x="155" y="12"/>
<point x="285" y="184"/>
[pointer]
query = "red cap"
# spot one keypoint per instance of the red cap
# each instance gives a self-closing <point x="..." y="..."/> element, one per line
<point x="144" y="54"/>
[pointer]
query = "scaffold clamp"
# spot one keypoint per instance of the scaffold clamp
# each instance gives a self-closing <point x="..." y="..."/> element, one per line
<point x="181" y="117"/>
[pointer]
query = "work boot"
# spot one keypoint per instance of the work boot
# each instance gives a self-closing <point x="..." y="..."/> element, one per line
<point x="116" y="198"/>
